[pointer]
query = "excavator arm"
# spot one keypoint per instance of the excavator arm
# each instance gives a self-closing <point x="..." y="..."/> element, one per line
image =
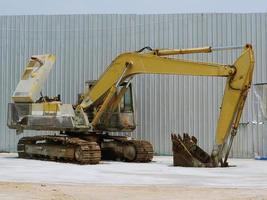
<point x="235" y="94"/>
<point x="239" y="77"/>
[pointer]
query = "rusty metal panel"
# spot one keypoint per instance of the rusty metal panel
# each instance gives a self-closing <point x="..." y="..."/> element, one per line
<point x="86" y="44"/>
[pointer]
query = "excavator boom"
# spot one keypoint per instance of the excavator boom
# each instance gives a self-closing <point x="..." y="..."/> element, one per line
<point x="137" y="63"/>
<point x="239" y="77"/>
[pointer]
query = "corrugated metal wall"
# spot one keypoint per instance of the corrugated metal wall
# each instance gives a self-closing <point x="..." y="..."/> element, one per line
<point x="86" y="44"/>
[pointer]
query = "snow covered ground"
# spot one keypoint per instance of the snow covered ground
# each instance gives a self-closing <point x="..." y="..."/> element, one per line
<point x="246" y="174"/>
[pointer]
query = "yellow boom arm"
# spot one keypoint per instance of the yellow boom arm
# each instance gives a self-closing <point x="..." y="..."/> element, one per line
<point x="127" y="65"/>
<point x="150" y="64"/>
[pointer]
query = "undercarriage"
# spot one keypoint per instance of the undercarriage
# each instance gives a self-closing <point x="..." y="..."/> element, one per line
<point x="85" y="149"/>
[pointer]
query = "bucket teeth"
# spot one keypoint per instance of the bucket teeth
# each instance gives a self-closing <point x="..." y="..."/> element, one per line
<point x="187" y="153"/>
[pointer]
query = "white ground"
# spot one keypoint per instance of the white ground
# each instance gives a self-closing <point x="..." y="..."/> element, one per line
<point x="246" y="173"/>
<point x="43" y="180"/>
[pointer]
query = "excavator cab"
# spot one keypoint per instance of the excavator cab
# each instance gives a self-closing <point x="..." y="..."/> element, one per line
<point x="120" y="113"/>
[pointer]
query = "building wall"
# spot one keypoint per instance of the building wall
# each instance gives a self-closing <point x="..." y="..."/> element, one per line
<point x="86" y="44"/>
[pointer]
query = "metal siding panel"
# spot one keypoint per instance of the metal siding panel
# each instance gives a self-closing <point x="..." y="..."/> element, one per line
<point x="86" y="44"/>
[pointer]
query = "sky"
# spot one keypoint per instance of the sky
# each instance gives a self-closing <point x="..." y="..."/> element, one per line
<point x="42" y="7"/>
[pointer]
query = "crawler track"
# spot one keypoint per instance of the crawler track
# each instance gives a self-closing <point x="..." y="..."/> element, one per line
<point x="144" y="150"/>
<point x="59" y="148"/>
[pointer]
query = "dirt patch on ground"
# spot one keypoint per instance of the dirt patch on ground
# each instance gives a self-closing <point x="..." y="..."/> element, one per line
<point x="18" y="191"/>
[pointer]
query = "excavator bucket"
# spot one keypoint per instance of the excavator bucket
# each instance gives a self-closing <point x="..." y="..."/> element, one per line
<point x="187" y="153"/>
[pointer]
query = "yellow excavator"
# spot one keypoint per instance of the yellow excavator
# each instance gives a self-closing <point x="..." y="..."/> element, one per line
<point x="107" y="106"/>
